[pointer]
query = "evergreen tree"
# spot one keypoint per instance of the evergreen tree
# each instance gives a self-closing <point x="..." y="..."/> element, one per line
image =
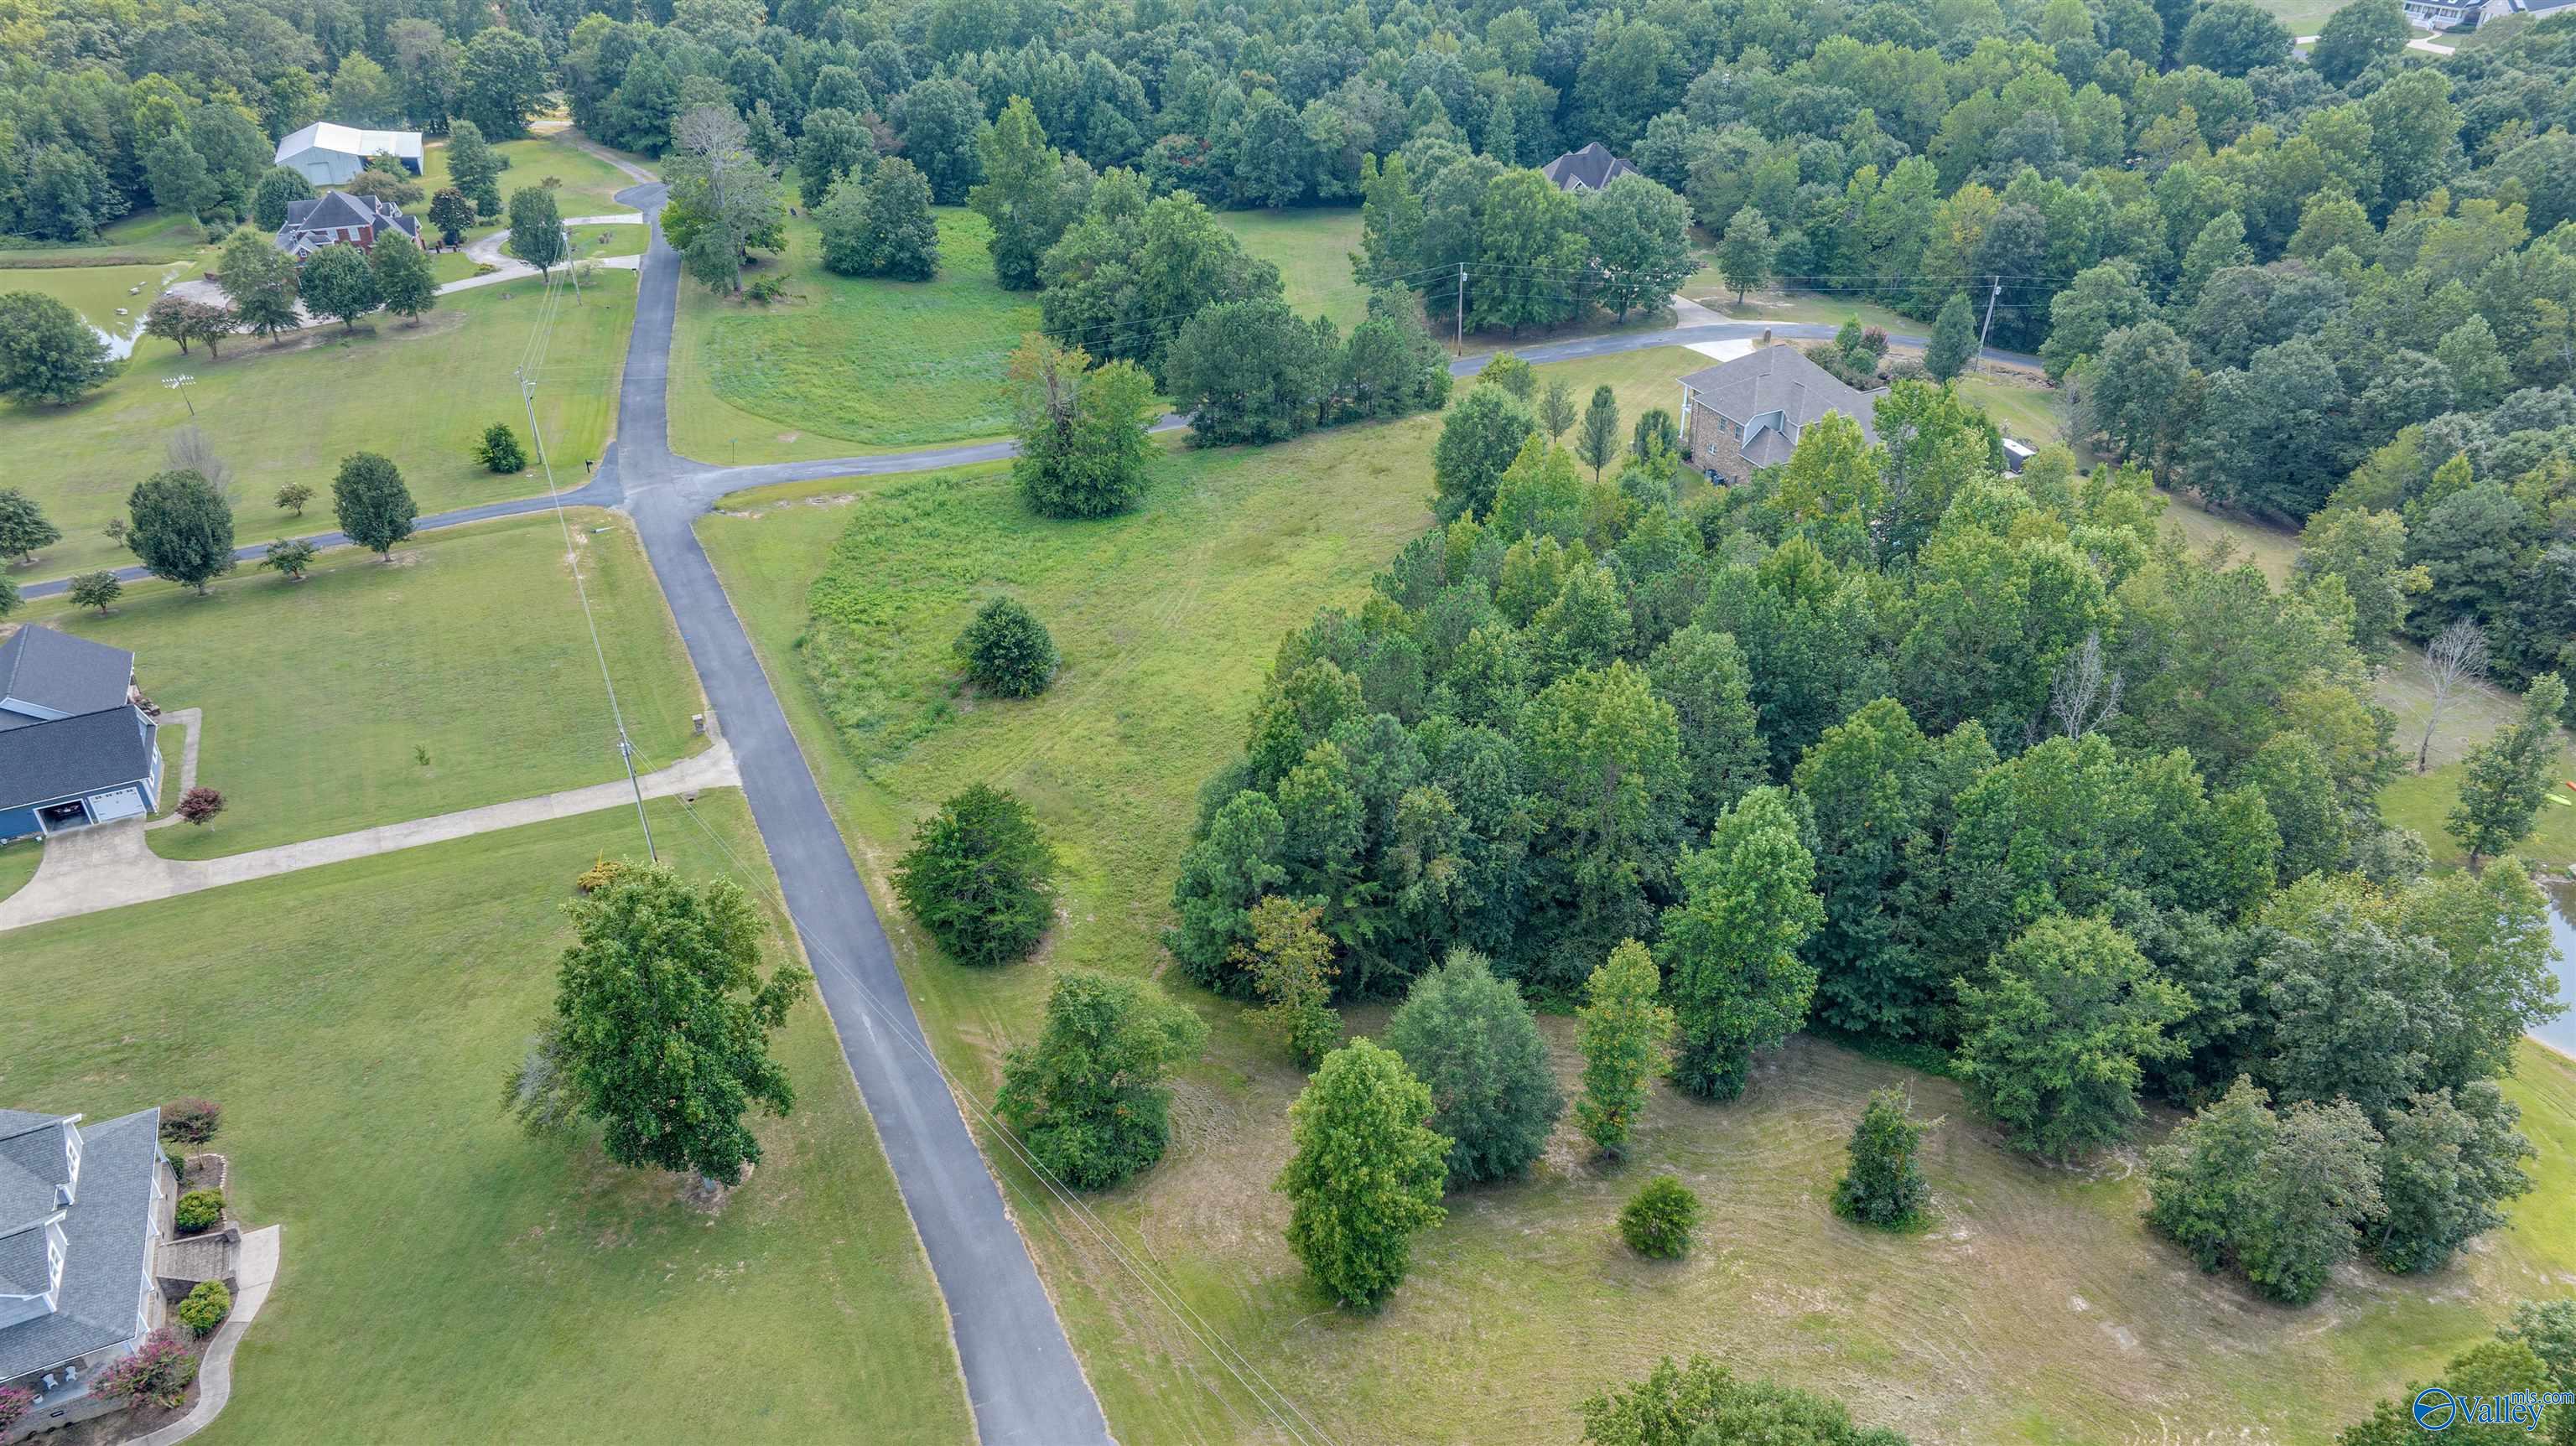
<point x="979" y="877"/>
<point x="1598" y="443"/>
<point x="1089" y="1098"/>
<point x="1885" y="1184"/>
<point x="1365" y="1175"/>
<point x="279" y="187"/>
<point x="1731" y="947"/>
<point x="1470" y="1038"/>
<point x="1007" y="651"/>
<point x="1623" y="1031"/>
<point x="2508" y="775"/>
<point x="374" y="507"/>
<point x="499" y="451"/>
<point x="1954" y="339"/>
<point x="181" y="527"/>
<point x="474" y="168"/>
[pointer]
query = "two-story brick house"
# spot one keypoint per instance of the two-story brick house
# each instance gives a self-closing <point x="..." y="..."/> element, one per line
<point x="1746" y="413"/>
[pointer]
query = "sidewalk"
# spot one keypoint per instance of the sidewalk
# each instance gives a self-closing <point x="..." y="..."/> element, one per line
<point x="110" y="866"/>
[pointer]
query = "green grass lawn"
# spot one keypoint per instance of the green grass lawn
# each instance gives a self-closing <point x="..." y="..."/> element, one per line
<point x="18" y="864"/>
<point x="470" y="646"/>
<point x="2037" y="1311"/>
<point x="288" y="411"/>
<point x="446" y="1277"/>
<point x="97" y="292"/>
<point x="1312" y="249"/>
<point x="588" y="186"/>
<point x="2303" y="17"/>
<point x="848" y="364"/>
<point x="146" y="238"/>
<point x="2027" y="413"/>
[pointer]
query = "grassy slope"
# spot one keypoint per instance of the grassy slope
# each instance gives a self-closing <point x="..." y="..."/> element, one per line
<point x="471" y="647"/>
<point x="850" y="364"/>
<point x="288" y="411"/>
<point x="97" y="291"/>
<point x="18" y="864"/>
<point x="2038" y="1312"/>
<point x="147" y="238"/>
<point x="589" y="185"/>
<point x="1312" y="250"/>
<point x="445" y="1276"/>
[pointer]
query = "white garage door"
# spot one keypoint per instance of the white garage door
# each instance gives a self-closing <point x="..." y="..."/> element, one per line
<point x="124" y="803"/>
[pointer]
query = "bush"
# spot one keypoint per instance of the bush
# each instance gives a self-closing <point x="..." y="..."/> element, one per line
<point x="206" y="1307"/>
<point x="191" y="1120"/>
<point x="200" y="804"/>
<point x="13" y="1404"/>
<point x="1885" y="1184"/>
<point x="198" y="1211"/>
<point x="498" y="449"/>
<point x="1007" y="651"/>
<point x="159" y="1371"/>
<point x="599" y="875"/>
<point x="979" y="878"/>
<point x="1658" y="1221"/>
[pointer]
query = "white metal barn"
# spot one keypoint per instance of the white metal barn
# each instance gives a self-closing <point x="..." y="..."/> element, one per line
<point x="328" y="154"/>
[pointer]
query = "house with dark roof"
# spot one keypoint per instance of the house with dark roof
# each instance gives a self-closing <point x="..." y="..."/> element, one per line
<point x="339" y="218"/>
<point x="1747" y="412"/>
<point x="1588" y="169"/>
<point x="78" y="745"/>
<point x="83" y="1210"/>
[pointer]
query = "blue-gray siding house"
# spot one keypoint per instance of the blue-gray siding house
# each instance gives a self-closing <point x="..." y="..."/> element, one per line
<point x="83" y="1210"/>
<point x="76" y="745"/>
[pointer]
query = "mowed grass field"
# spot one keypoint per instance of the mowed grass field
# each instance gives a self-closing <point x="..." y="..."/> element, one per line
<point x="96" y="292"/>
<point x="585" y="184"/>
<point x="147" y="237"/>
<point x="289" y="410"/>
<point x="18" y="864"/>
<point x="321" y="697"/>
<point x="2038" y="1310"/>
<point x="445" y="1276"/>
<point x="848" y="365"/>
<point x="1312" y="249"/>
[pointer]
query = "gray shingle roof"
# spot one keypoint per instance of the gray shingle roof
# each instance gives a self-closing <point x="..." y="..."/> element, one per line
<point x="25" y="1268"/>
<point x="335" y="209"/>
<point x="107" y="1236"/>
<point x="62" y="673"/>
<point x="1779" y="379"/>
<point x="1593" y="165"/>
<point x="47" y="761"/>
<point x="32" y="1165"/>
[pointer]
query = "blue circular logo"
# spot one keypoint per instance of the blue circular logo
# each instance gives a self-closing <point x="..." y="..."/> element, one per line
<point x="2435" y="1408"/>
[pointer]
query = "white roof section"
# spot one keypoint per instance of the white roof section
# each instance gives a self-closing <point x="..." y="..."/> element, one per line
<point x="349" y="140"/>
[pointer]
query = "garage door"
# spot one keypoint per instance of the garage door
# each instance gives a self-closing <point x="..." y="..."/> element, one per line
<point x="124" y="803"/>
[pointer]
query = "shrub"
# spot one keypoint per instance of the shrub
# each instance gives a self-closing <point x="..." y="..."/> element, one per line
<point x="191" y="1120"/>
<point x="159" y="1371"/>
<point x="1007" y="651"/>
<point x="206" y="1307"/>
<point x="1885" y="1184"/>
<point x="293" y="496"/>
<point x="979" y="877"/>
<point x="1658" y="1220"/>
<point x="198" y="1211"/>
<point x="200" y="804"/>
<point x="498" y="449"/>
<point x="13" y="1404"/>
<point x="599" y="875"/>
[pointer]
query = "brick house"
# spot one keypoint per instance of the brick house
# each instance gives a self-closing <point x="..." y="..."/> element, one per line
<point x="337" y="218"/>
<point x="1746" y="413"/>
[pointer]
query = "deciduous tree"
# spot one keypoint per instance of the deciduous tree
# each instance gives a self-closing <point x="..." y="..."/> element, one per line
<point x="1478" y="439"/>
<point x="1598" y="443"/>
<point x="1089" y="1097"/>
<point x="1007" y="651"/>
<point x="373" y="506"/>
<point x="1083" y="443"/>
<point x="403" y="280"/>
<point x="1623" y="1031"/>
<point x="2053" y="1031"/>
<point x="1470" y="1038"/>
<point x="182" y="528"/>
<point x="979" y="877"/>
<point x="23" y="526"/>
<point x="1365" y="1175"/>
<point x="536" y="229"/>
<point x="1884" y="1185"/>
<point x="1739" y="983"/>
<point x="98" y="590"/>
<point x="260" y="281"/>
<point x="1290" y="963"/>
<point x="47" y="353"/>
<point x="2508" y="775"/>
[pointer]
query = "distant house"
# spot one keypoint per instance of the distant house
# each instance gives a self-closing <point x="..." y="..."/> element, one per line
<point x="2017" y="454"/>
<point x="1588" y="169"/>
<point x="1747" y="413"/>
<point x="82" y="1212"/>
<point x="328" y="155"/>
<point x="338" y="218"/>
<point x="76" y="745"/>
<point x="2452" y="14"/>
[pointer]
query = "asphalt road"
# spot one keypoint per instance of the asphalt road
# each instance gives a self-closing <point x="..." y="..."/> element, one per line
<point x="1021" y="1375"/>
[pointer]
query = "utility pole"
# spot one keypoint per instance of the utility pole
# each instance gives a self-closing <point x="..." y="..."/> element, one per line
<point x="1462" y="308"/>
<point x="625" y="745"/>
<point x="1979" y="359"/>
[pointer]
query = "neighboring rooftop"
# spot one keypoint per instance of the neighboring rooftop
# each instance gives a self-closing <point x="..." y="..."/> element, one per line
<point x="354" y="140"/>
<point x="1588" y="169"/>
<point x="107" y="1236"/>
<point x="45" y="675"/>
